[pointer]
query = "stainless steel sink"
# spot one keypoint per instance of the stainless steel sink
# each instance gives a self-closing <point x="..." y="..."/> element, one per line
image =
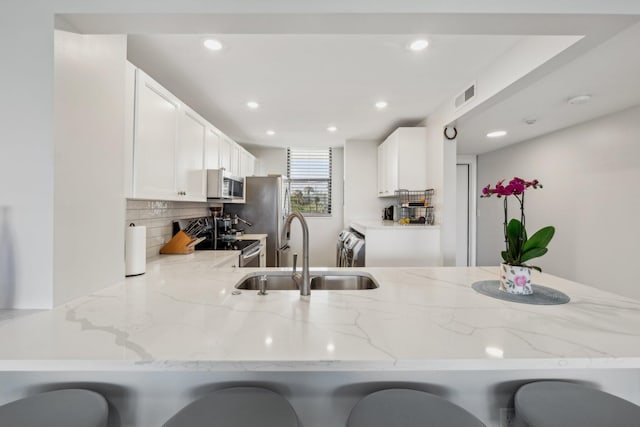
<point x="324" y="280"/>
<point x="343" y="282"/>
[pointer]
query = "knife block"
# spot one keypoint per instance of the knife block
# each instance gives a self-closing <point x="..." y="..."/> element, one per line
<point x="180" y="243"/>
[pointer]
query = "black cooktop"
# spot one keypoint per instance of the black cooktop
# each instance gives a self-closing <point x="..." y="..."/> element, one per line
<point x="220" y="245"/>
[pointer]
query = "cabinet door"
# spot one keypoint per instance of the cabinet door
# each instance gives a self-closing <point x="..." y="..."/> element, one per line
<point x="412" y="158"/>
<point x="212" y="149"/>
<point x="391" y="161"/>
<point x="381" y="171"/>
<point x="234" y="158"/>
<point x="225" y="154"/>
<point x="156" y="127"/>
<point x="251" y="165"/>
<point x="190" y="172"/>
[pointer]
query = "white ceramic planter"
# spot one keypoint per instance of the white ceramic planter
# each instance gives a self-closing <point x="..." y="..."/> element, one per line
<point x="515" y="279"/>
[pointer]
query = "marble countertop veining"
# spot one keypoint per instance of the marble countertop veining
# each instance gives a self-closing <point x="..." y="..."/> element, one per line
<point x="182" y="314"/>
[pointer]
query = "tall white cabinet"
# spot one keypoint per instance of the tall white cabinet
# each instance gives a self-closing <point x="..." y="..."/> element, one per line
<point x="402" y="159"/>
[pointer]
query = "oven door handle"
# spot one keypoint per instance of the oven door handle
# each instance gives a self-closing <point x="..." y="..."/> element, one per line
<point x="252" y="253"/>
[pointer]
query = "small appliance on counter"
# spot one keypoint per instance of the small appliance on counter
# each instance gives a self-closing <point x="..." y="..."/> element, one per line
<point x="221" y="234"/>
<point x="387" y="213"/>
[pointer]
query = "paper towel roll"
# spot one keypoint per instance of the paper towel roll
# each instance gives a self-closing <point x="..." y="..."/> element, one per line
<point x="135" y="250"/>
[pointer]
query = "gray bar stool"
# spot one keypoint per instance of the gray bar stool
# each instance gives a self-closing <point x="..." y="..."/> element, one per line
<point x="60" y="408"/>
<point x="408" y="408"/>
<point x="562" y="404"/>
<point x="237" y="407"/>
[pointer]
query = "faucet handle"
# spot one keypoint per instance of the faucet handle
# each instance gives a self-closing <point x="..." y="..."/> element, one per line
<point x="262" y="285"/>
<point x="295" y="262"/>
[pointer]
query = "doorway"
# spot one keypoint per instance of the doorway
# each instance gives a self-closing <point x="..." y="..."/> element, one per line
<point x="465" y="211"/>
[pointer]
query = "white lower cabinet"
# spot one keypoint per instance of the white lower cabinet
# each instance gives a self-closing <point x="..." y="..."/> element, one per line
<point x="400" y="245"/>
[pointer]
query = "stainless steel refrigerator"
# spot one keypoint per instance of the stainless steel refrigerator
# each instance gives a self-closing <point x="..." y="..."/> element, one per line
<point x="267" y="205"/>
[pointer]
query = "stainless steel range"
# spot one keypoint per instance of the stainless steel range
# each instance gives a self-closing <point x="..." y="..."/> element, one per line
<point x="220" y="235"/>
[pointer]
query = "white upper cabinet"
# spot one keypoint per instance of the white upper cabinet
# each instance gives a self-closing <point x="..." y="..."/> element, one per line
<point x="213" y="141"/>
<point x="170" y="147"/>
<point x="402" y="159"/>
<point x="155" y="133"/>
<point x="190" y="170"/>
<point x="247" y="163"/>
<point x="230" y="156"/>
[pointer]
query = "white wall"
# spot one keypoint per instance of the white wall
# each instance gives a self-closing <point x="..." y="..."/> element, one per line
<point x="323" y="231"/>
<point x="270" y="160"/>
<point x="361" y="199"/>
<point x="590" y="174"/>
<point x="89" y="203"/>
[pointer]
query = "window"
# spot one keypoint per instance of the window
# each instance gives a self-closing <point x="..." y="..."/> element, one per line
<point x="309" y="172"/>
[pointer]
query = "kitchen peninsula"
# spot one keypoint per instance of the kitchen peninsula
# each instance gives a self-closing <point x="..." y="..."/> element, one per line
<point x="182" y="319"/>
<point x="390" y="244"/>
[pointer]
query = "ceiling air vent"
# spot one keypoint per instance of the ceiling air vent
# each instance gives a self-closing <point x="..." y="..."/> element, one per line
<point x="466" y="96"/>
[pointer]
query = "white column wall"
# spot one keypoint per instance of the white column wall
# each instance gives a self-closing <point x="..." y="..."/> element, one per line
<point x="89" y="204"/>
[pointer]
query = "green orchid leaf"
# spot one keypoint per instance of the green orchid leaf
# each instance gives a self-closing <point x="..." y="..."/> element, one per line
<point x="504" y="255"/>
<point x="533" y="253"/>
<point x="514" y="230"/>
<point x="535" y="268"/>
<point x="540" y="239"/>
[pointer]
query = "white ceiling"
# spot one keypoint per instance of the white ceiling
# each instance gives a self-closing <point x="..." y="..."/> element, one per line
<point x="609" y="72"/>
<point x="309" y="71"/>
<point x="305" y="83"/>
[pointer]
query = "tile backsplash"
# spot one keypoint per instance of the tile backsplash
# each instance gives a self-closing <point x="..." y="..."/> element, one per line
<point x="157" y="216"/>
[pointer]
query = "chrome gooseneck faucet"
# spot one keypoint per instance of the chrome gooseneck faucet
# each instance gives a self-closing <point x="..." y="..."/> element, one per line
<point x="305" y="286"/>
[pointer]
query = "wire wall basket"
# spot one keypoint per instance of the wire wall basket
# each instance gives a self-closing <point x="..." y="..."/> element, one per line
<point x="415" y="207"/>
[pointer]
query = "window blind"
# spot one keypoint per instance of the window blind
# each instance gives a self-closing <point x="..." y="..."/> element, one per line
<point x="309" y="172"/>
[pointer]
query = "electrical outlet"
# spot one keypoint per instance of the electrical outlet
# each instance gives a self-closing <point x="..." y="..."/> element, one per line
<point x="506" y="416"/>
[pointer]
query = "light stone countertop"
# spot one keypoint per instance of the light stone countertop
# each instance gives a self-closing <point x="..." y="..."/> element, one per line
<point x="252" y="237"/>
<point x="361" y="226"/>
<point x="181" y="314"/>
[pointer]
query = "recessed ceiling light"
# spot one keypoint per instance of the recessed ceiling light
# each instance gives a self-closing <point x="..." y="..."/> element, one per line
<point x="418" y="45"/>
<point x="332" y="128"/>
<point x="580" y="99"/>
<point x="271" y="132"/>
<point x="253" y="105"/>
<point x="381" y="105"/>
<point x="497" y="134"/>
<point x="212" y="44"/>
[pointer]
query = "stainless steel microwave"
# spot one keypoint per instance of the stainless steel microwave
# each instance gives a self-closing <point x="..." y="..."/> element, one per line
<point x="222" y="185"/>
